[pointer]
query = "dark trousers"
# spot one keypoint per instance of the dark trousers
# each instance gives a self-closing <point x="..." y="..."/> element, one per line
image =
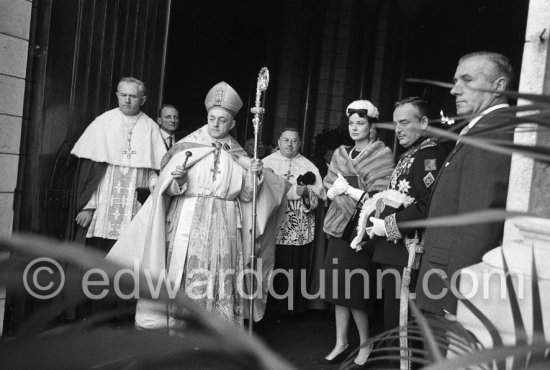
<point x="294" y="260"/>
<point x="391" y="295"/>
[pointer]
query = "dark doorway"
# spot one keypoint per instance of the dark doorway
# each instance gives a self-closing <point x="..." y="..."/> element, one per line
<point x="389" y="42"/>
<point x="218" y="41"/>
<point x="443" y="31"/>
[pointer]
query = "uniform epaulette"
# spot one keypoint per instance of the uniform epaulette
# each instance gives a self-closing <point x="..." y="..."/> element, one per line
<point x="428" y="143"/>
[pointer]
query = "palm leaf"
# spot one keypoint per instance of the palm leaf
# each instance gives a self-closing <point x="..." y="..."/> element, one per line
<point x="229" y="339"/>
<point x="499" y="354"/>
<point x="385" y="350"/>
<point x="73" y="349"/>
<point x="433" y="350"/>
<point x="532" y="152"/>
<point x="468" y="218"/>
<point x="538" y="324"/>
<point x="488" y="324"/>
<point x="483" y="144"/>
<point x="534" y="110"/>
<point x="521" y="335"/>
<point x="544" y="150"/>
<point x="509" y="122"/>
<point x="511" y="94"/>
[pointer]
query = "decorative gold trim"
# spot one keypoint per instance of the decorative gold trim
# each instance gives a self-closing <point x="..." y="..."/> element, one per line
<point x="392" y="231"/>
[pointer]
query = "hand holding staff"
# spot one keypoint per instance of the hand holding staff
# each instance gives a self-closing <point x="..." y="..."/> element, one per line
<point x="180" y="173"/>
<point x="187" y="155"/>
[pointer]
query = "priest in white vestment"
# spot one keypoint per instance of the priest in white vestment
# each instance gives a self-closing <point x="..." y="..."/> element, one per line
<point x="119" y="152"/>
<point x="297" y="231"/>
<point x="195" y="224"/>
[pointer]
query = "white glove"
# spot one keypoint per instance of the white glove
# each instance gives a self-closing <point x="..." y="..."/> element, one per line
<point x="378" y="226"/>
<point x="338" y="187"/>
<point x="354" y="193"/>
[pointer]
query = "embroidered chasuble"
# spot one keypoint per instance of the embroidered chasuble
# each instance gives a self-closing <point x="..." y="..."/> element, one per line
<point x="298" y="226"/>
<point x="195" y="232"/>
<point x="204" y="218"/>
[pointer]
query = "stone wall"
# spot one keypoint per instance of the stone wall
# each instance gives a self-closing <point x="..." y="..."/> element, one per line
<point x="15" y="23"/>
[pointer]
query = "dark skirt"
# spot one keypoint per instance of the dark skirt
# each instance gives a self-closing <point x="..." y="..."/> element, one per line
<point x="295" y="260"/>
<point x="349" y="276"/>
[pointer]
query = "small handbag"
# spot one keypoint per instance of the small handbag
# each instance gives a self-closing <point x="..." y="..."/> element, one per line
<point x="351" y="228"/>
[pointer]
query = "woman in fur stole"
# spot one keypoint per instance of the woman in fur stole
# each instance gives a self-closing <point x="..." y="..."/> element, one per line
<point x="354" y="174"/>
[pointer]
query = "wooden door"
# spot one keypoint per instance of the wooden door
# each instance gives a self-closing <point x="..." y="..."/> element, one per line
<point x="82" y="48"/>
<point x="79" y="51"/>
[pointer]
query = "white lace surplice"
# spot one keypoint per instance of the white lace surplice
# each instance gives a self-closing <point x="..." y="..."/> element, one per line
<point x="298" y="226"/>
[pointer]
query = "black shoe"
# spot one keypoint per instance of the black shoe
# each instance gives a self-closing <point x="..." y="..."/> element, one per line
<point x="338" y="358"/>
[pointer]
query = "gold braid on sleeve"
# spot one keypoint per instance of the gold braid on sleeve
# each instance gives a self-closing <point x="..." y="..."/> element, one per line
<point x="392" y="231"/>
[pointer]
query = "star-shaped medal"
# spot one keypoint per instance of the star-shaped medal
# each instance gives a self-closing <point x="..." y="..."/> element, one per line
<point x="404" y="186"/>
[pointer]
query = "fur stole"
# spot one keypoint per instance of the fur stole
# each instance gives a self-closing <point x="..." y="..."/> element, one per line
<point x="373" y="167"/>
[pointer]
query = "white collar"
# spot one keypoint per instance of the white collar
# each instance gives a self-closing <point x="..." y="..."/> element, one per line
<point x="486" y="111"/>
<point x="166" y="134"/>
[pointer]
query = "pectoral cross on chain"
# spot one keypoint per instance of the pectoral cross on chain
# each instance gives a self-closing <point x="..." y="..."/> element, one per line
<point x="288" y="175"/>
<point x="129" y="152"/>
<point x="217" y="152"/>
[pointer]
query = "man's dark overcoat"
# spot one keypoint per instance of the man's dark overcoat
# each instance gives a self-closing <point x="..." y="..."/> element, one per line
<point x="471" y="179"/>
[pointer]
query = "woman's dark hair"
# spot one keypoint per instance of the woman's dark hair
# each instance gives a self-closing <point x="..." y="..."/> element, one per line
<point x="363" y="113"/>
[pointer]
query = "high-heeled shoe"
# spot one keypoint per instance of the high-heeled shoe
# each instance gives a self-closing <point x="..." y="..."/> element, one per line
<point x="355" y="366"/>
<point x="338" y="358"/>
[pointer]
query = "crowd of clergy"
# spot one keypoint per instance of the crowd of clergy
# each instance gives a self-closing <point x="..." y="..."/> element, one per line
<point x="182" y="205"/>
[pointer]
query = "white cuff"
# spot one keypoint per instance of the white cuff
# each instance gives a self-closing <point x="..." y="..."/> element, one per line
<point x="354" y="193"/>
<point x="332" y="193"/>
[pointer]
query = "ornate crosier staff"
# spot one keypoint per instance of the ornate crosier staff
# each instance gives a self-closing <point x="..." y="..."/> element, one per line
<point x="258" y="111"/>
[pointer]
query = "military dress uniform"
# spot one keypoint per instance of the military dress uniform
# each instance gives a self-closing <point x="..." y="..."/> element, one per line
<point x="414" y="176"/>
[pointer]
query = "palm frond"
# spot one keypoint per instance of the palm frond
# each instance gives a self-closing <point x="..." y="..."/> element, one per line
<point x="433" y="350"/>
<point x="487" y="323"/>
<point x="229" y="340"/>
<point x="521" y="335"/>
<point x="509" y="93"/>
<point x="499" y="354"/>
<point x="447" y="338"/>
<point x="538" y="324"/>
<point x="537" y="153"/>
<point x="468" y="218"/>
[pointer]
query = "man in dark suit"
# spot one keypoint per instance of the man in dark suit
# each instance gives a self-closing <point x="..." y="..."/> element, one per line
<point x="168" y="118"/>
<point x="471" y="179"/>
